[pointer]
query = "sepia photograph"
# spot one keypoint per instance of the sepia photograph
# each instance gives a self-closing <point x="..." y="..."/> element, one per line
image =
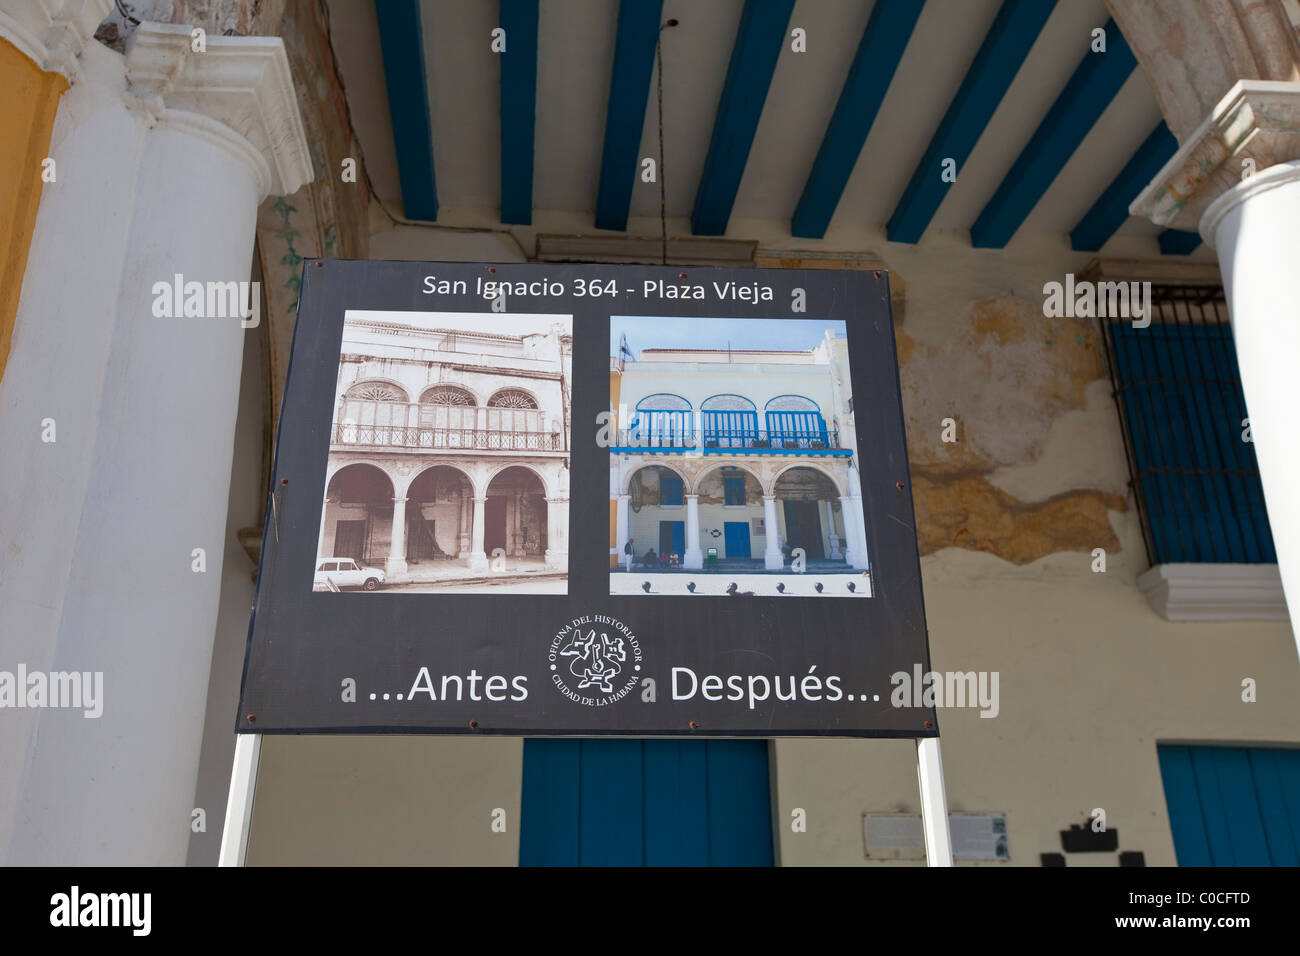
<point x="448" y="455"/>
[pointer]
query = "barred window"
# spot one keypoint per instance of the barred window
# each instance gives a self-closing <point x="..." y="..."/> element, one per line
<point x="1183" y="414"/>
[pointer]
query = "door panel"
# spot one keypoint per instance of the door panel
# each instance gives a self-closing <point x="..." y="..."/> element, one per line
<point x="672" y="537"/>
<point x="494" y="523"/>
<point x="1233" y="806"/>
<point x="646" y="803"/>
<point x="736" y="536"/>
<point x="349" y="539"/>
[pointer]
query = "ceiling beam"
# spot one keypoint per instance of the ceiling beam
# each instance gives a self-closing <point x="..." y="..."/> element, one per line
<point x="879" y="53"/>
<point x="518" y="109"/>
<point x="1005" y="47"/>
<point x="401" y="41"/>
<point x="759" y="42"/>
<point x="1085" y="97"/>
<point x="1111" y="208"/>
<point x="1177" y="242"/>
<point x="629" y="91"/>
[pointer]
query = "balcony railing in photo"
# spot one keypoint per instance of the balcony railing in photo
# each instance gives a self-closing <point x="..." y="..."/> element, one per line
<point x="728" y="442"/>
<point x="440" y="427"/>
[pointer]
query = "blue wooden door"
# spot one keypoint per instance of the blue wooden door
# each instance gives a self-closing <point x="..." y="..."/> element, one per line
<point x="736" y="536"/>
<point x="1233" y="806"/>
<point x="645" y="803"/>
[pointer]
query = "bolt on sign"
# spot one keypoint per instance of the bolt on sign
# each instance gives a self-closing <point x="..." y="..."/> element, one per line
<point x="573" y="499"/>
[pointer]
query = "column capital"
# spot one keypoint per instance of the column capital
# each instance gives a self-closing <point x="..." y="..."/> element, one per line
<point x="1258" y="120"/>
<point x="238" y="92"/>
<point x="52" y="32"/>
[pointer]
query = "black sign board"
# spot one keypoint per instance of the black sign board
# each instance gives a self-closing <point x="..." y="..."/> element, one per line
<point x="577" y="499"/>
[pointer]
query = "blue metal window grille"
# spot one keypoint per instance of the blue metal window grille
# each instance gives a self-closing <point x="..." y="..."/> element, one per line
<point x="667" y="427"/>
<point x="1181" y="409"/>
<point x="733" y="491"/>
<point x="730" y="429"/>
<point x="670" y="488"/>
<point x="1233" y="806"/>
<point x="797" y="429"/>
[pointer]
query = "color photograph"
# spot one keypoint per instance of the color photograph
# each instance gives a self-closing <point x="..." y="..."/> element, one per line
<point x="734" y="468"/>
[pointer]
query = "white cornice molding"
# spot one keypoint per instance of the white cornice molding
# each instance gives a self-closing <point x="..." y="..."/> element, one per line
<point x="240" y="83"/>
<point x="52" y="32"/>
<point x="1257" y="120"/>
<point x="1215" y="592"/>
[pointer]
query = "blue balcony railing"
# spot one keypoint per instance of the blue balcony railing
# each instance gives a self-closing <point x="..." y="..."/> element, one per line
<point x="722" y="442"/>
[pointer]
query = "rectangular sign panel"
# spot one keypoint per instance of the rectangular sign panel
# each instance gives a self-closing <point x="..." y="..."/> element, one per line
<point x="569" y="499"/>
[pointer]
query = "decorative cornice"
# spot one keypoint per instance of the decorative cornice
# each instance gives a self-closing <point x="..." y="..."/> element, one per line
<point x="240" y="83"/>
<point x="1215" y="592"/>
<point x="1257" y="120"/>
<point x="52" y="32"/>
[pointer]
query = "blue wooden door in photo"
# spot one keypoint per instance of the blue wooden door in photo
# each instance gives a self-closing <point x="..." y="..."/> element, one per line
<point x="1233" y="806"/>
<point x="645" y="803"/>
<point x="736" y="536"/>
<point x="672" y="537"/>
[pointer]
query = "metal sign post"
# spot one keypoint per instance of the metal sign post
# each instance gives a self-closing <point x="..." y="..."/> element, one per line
<point x="934" y="802"/>
<point x="239" y="804"/>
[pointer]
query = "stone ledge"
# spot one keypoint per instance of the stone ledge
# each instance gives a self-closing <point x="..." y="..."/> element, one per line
<point x="1215" y="592"/>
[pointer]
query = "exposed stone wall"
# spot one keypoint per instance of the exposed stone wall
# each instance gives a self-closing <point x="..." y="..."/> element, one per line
<point x="1042" y="367"/>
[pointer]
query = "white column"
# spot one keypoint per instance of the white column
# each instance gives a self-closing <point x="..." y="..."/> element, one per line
<point x="396" y="564"/>
<point x="851" y="553"/>
<point x="1255" y="229"/>
<point x="832" y="535"/>
<point x="623" y="526"/>
<point x="694" y="556"/>
<point x="320" y="538"/>
<point x="463" y="523"/>
<point x="518" y="543"/>
<point x="170" y="188"/>
<point x="557" y="533"/>
<point x="477" y="559"/>
<point x="773" y="559"/>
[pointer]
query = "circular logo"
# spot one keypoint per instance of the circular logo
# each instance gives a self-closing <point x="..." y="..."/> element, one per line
<point x="595" y="660"/>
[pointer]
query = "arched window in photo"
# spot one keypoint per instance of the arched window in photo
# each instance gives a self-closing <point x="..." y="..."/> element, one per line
<point x="794" y="421"/>
<point x="663" y="420"/>
<point x="730" y="421"/>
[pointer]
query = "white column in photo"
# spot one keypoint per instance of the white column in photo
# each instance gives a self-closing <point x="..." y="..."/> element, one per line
<point x="477" y="559"/>
<point x="463" y="522"/>
<point x="852" y="554"/>
<point x="150" y="197"/>
<point x="773" y="559"/>
<point x="395" y="567"/>
<point x="832" y="534"/>
<point x="557" y="533"/>
<point x="623" y="526"/>
<point x="693" y="559"/>
<point x="1236" y="177"/>
<point x="320" y="538"/>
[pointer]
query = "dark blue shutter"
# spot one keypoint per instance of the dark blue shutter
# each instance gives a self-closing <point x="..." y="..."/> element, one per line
<point x="670" y="489"/>
<point x="1233" y="806"/>
<point x="1180" y="394"/>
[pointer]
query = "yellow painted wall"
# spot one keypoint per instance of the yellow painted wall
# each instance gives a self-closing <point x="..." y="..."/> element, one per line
<point x="26" y="120"/>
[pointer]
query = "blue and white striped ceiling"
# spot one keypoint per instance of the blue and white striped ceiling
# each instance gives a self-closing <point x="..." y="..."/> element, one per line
<point x="1047" y="136"/>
